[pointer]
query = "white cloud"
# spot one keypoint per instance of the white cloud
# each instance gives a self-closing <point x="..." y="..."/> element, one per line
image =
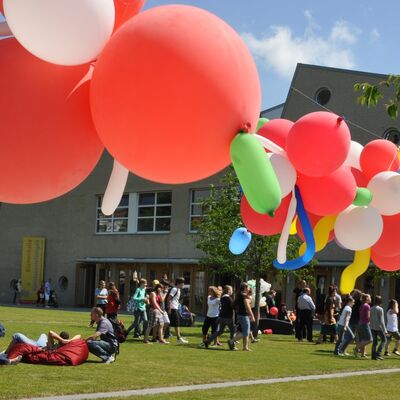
<point x="282" y="50"/>
<point x="374" y="35"/>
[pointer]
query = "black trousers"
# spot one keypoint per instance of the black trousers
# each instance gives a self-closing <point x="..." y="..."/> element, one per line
<point x="306" y="321"/>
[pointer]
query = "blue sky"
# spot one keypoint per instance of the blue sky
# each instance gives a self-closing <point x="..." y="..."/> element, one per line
<point x="361" y="35"/>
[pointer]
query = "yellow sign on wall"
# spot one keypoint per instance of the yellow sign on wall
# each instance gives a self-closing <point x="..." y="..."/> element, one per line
<point x="32" y="266"/>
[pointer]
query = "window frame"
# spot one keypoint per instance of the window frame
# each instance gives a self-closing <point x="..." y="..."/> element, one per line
<point x="99" y="200"/>
<point x="191" y="204"/>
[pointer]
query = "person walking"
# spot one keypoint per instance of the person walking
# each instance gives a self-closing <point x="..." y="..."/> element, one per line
<point x="213" y="307"/>
<point x="392" y="327"/>
<point x="140" y="302"/>
<point x="156" y="319"/>
<point x="345" y="334"/>
<point x="113" y="302"/>
<point x="364" y="334"/>
<point x="378" y="329"/>
<point x="306" y="308"/>
<point x="328" y="325"/>
<point x="297" y="292"/>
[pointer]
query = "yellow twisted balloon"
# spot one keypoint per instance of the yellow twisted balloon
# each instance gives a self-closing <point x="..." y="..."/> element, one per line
<point x="321" y="232"/>
<point x="354" y="270"/>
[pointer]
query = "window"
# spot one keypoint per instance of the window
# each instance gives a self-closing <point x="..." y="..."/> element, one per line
<point x="116" y="223"/>
<point x="322" y="96"/>
<point x="197" y="212"/>
<point x="393" y="135"/>
<point x="154" y="212"/>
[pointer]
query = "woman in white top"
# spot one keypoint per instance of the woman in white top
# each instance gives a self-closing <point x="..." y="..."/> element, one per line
<point x="392" y="327"/>
<point x="101" y="294"/>
<point x="213" y="303"/>
<point x="345" y="334"/>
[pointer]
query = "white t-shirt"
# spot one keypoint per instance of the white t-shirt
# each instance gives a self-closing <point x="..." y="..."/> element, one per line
<point x="213" y="306"/>
<point x="392" y="322"/>
<point x="102" y="292"/>
<point x="47" y="287"/>
<point x="175" y="293"/>
<point x="342" y="319"/>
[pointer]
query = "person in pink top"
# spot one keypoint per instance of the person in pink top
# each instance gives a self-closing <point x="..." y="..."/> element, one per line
<point x="364" y="329"/>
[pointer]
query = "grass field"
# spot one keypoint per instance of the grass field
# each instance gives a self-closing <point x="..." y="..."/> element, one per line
<point x="143" y="366"/>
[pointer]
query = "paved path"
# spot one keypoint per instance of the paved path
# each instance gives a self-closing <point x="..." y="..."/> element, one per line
<point x="176" y="389"/>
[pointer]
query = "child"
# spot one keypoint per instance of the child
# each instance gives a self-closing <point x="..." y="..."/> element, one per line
<point x="345" y="334"/>
<point x="364" y="330"/>
<point x="392" y="327"/>
<point x="378" y="329"/>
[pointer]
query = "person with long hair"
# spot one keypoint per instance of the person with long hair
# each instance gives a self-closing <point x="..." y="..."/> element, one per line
<point x="392" y="327"/>
<point x="328" y="326"/>
<point x="156" y="315"/>
<point x="244" y="314"/>
<point x="113" y="302"/>
<point x="213" y="307"/>
<point x="364" y="335"/>
<point x="345" y="334"/>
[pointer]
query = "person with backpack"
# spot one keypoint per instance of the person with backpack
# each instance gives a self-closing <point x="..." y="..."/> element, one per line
<point x="172" y="308"/>
<point x="113" y="302"/>
<point x="103" y="343"/>
<point x="140" y="302"/>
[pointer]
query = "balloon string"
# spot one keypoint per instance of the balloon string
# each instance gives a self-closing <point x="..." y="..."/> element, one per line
<point x="270" y="145"/>
<point x="391" y="164"/>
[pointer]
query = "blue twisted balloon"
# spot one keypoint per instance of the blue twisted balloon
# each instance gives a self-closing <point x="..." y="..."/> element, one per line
<point x="303" y="260"/>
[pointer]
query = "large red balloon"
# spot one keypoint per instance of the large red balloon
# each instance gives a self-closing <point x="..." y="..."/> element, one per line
<point x="277" y="131"/>
<point x="328" y="195"/>
<point x="125" y="9"/>
<point x="48" y="141"/>
<point x="318" y="143"/>
<point x="389" y="264"/>
<point x="1" y="7"/>
<point x="170" y="91"/>
<point x="263" y="224"/>
<point x="388" y="243"/>
<point x="378" y="156"/>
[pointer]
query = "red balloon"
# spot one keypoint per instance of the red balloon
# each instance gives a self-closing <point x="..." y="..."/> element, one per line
<point x="388" y="243"/>
<point x="318" y="143"/>
<point x="273" y="311"/>
<point x="126" y="9"/>
<point x="361" y="179"/>
<point x="1" y="7"/>
<point x="263" y="224"/>
<point x="389" y="264"/>
<point x="277" y="131"/>
<point x="378" y="156"/>
<point x="49" y="144"/>
<point x="328" y="195"/>
<point x="170" y="91"/>
<point x="313" y="220"/>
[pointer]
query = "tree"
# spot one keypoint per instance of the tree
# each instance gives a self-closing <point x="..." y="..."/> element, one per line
<point x="371" y="95"/>
<point x="222" y="217"/>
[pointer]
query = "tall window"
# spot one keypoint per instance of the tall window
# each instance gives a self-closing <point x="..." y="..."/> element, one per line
<point x="154" y="212"/>
<point x="117" y="222"/>
<point x="197" y="196"/>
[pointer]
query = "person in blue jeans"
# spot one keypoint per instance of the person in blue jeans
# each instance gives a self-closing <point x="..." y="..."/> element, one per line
<point x="378" y="329"/>
<point x="345" y="334"/>
<point x="140" y="301"/>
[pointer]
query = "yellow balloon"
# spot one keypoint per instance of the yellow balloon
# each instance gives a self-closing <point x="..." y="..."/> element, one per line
<point x="321" y="232"/>
<point x="354" y="270"/>
<point x="293" y="227"/>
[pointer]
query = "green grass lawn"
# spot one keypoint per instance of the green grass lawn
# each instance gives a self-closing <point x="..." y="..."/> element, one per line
<point x="143" y="366"/>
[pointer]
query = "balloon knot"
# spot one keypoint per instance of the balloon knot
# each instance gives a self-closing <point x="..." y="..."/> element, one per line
<point x="340" y="119"/>
<point x="245" y="127"/>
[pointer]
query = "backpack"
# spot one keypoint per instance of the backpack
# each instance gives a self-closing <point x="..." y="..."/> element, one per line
<point x="2" y="330"/>
<point x="119" y="330"/>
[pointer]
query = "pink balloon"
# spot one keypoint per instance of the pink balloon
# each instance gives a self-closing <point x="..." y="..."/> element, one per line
<point x="328" y="195"/>
<point x="263" y="224"/>
<point x="389" y="264"/>
<point x="388" y="243"/>
<point x="277" y="131"/>
<point x="318" y="143"/>
<point x="273" y="311"/>
<point x="378" y="156"/>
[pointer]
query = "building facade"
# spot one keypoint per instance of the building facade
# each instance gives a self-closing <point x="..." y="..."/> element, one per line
<point x="151" y="232"/>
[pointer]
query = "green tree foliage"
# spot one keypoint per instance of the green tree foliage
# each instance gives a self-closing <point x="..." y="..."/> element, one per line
<point x="214" y="231"/>
<point x="371" y="95"/>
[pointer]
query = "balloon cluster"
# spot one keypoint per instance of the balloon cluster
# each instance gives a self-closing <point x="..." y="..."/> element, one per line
<point x="331" y="188"/>
<point x="165" y="91"/>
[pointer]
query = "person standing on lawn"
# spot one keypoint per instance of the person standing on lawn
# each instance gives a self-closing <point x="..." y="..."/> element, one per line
<point x="172" y="308"/>
<point x="297" y="292"/>
<point x="156" y="319"/>
<point x="213" y="308"/>
<point x="345" y="334"/>
<point x="47" y="290"/>
<point x="378" y="329"/>
<point x="306" y="308"/>
<point x="364" y="335"/>
<point x="113" y="302"/>
<point x="140" y="302"/>
<point x="328" y="325"/>
<point x="392" y="327"/>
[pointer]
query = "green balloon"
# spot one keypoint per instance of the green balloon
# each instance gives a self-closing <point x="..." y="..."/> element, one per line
<point x="256" y="175"/>
<point x="363" y="197"/>
<point x="261" y="122"/>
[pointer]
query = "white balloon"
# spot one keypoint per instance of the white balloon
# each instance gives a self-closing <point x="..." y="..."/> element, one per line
<point x="115" y="188"/>
<point x="64" y="32"/>
<point x="353" y="158"/>
<point x="385" y="189"/>
<point x="358" y="228"/>
<point x="285" y="172"/>
<point x="283" y="240"/>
